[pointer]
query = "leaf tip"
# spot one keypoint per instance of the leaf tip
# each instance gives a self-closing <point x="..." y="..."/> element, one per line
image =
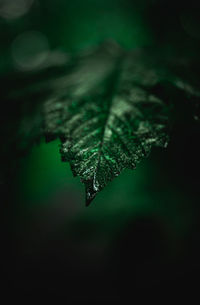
<point x="89" y="197"/>
<point x="88" y="201"/>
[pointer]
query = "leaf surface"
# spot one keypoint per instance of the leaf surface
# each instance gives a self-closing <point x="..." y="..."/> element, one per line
<point x="107" y="106"/>
<point x="107" y="117"/>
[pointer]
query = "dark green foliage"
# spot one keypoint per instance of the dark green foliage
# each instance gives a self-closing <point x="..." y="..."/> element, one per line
<point x="107" y="117"/>
<point x="107" y="106"/>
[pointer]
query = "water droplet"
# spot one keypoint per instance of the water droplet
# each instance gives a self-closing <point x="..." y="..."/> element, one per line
<point x="95" y="185"/>
<point x="89" y="197"/>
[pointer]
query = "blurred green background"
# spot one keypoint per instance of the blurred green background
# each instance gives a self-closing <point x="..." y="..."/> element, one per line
<point x="142" y="232"/>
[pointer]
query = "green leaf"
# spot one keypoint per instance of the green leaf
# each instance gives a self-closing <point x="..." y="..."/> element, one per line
<point x="108" y="107"/>
<point x="107" y="117"/>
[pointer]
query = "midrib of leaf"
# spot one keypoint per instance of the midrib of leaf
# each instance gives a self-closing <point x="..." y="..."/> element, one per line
<point x="113" y="80"/>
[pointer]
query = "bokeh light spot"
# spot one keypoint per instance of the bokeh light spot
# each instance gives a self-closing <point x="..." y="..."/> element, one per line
<point x="12" y="9"/>
<point x="30" y="50"/>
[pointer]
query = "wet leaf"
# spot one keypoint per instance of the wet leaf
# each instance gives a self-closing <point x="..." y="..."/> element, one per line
<point x="107" y="117"/>
<point x="107" y="106"/>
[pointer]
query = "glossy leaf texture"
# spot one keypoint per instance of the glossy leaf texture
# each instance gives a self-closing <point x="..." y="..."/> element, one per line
<point x="107" y="106"/>
<point x="107" y="117"/>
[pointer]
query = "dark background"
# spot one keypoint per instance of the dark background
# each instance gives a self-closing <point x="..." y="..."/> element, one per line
<point x="140" y="237"/>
